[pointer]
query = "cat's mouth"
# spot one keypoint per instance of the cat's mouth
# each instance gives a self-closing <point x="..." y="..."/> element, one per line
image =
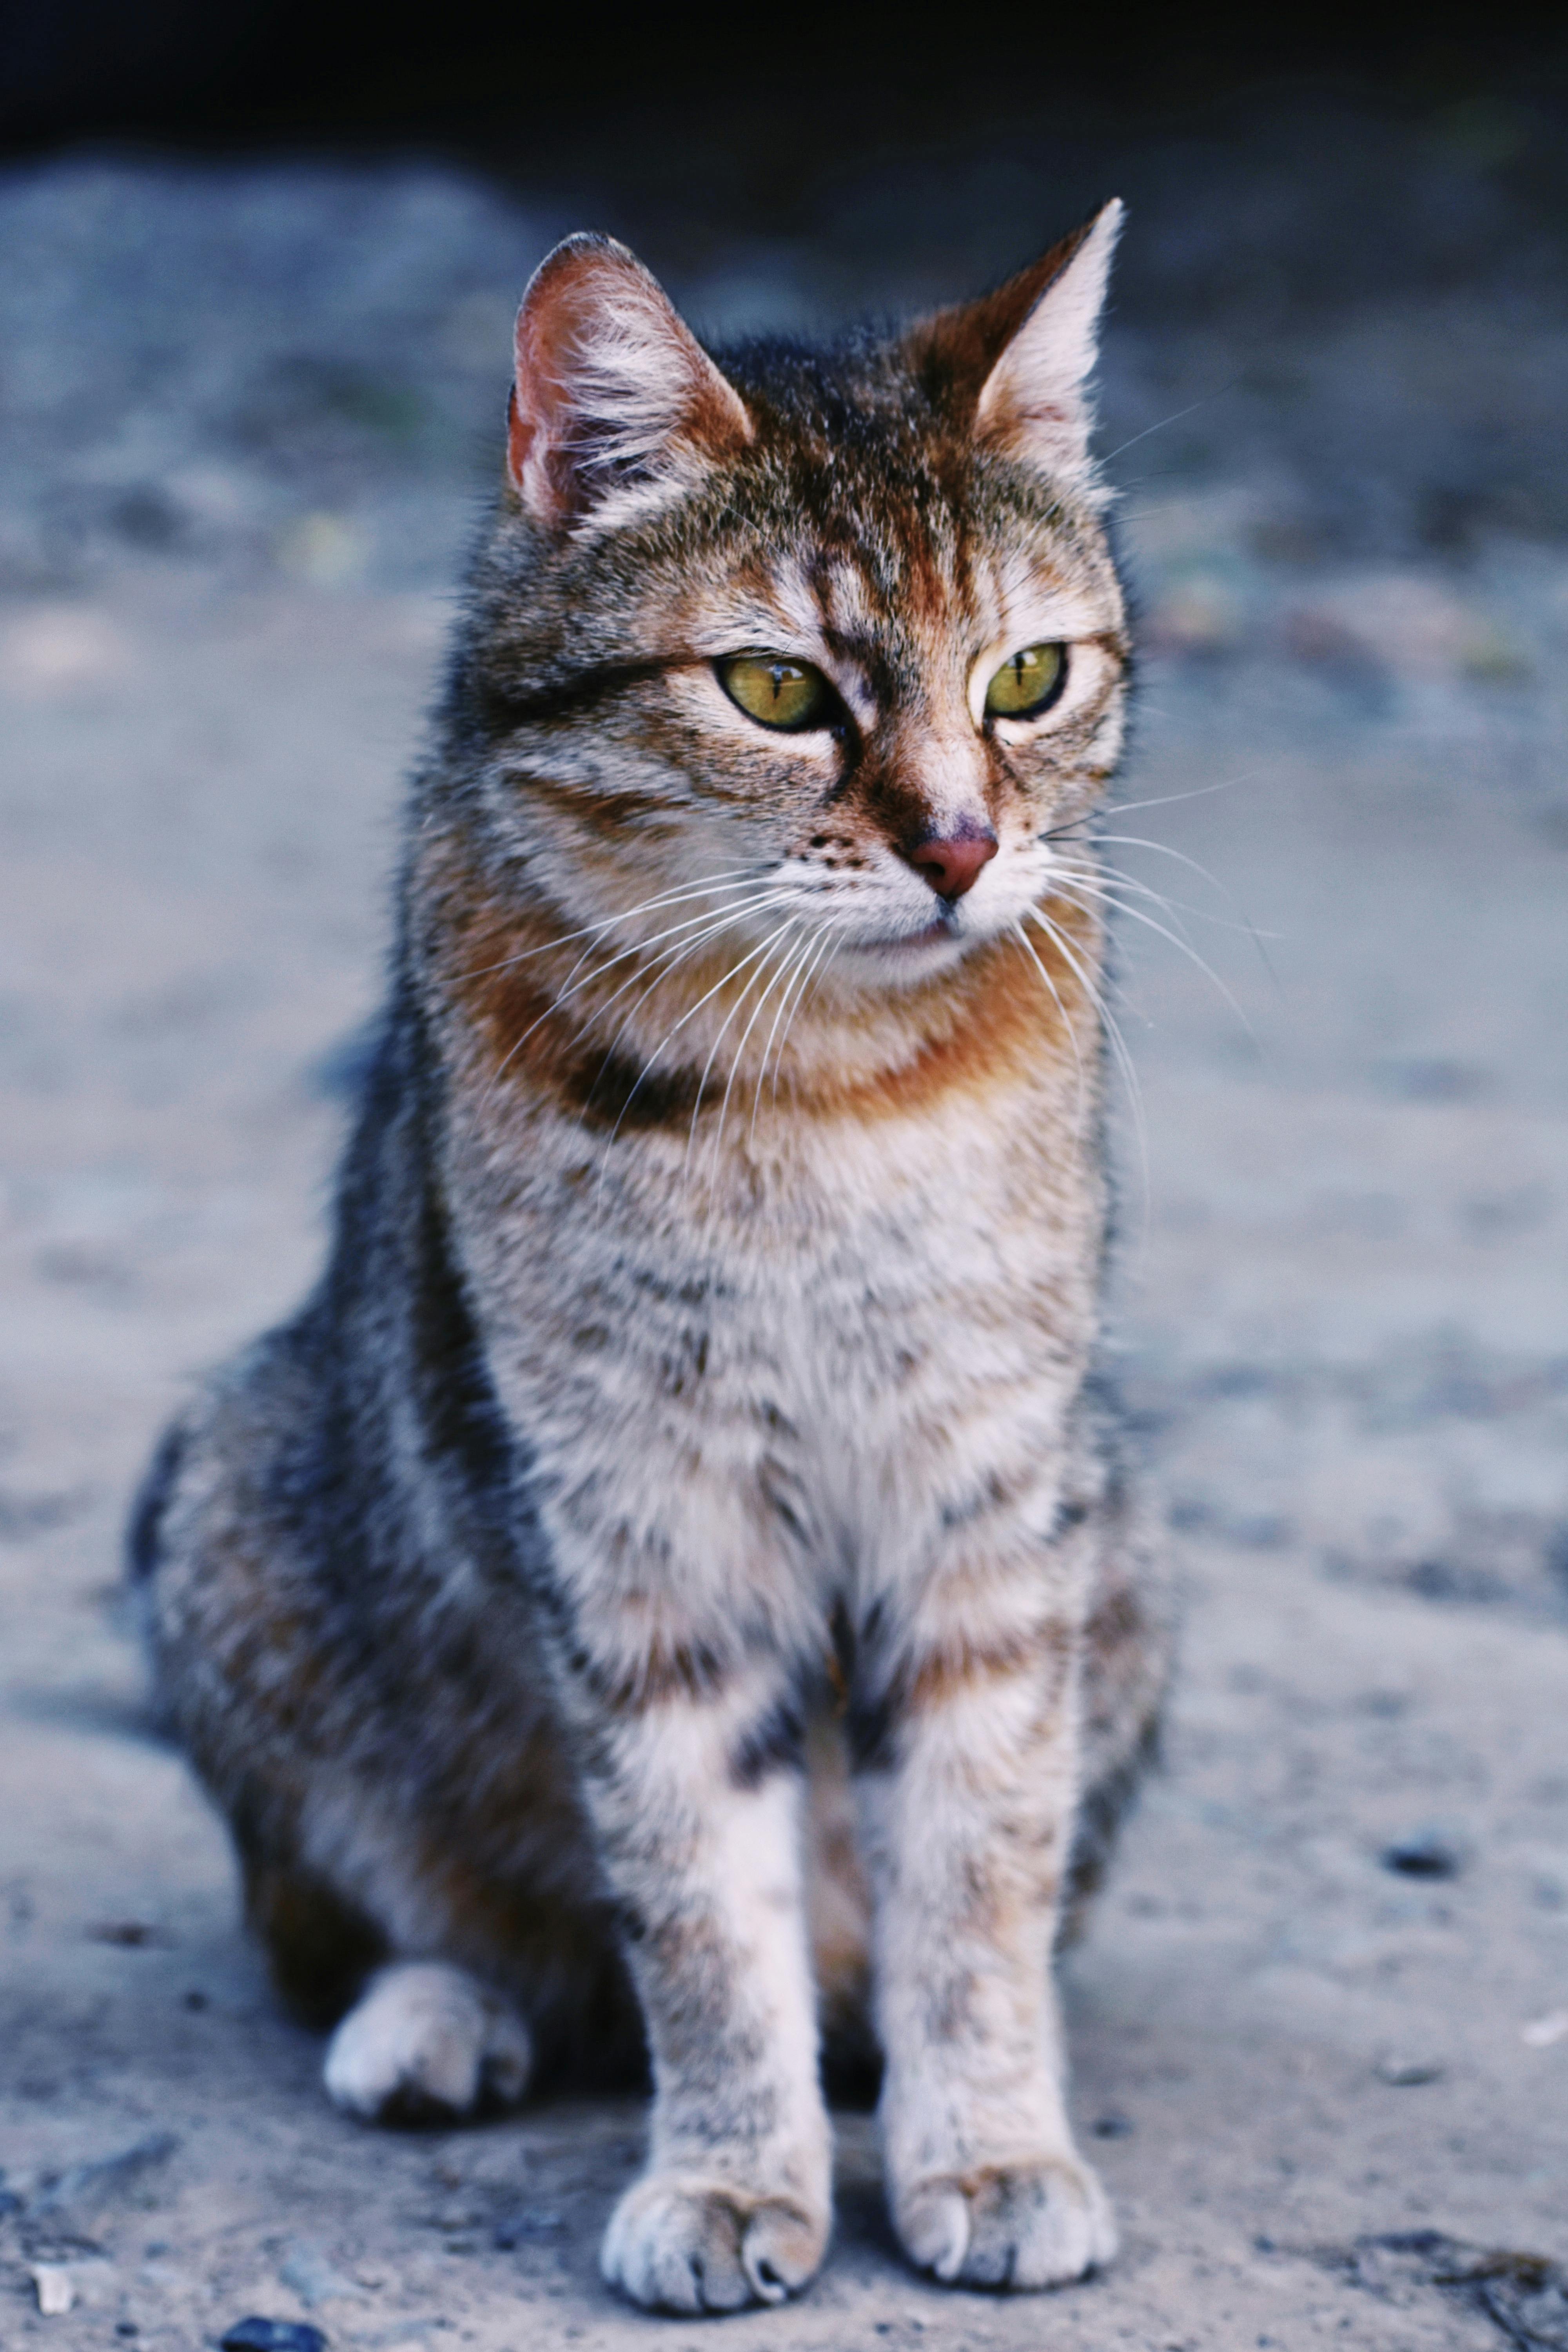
<point x="942" y="940"/>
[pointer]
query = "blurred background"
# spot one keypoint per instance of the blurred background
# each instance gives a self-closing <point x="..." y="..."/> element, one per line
<point x="257" y="271"/>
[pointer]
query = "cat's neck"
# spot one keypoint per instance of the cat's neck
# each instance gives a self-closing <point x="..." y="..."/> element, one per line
<point x="631" y="1036"/>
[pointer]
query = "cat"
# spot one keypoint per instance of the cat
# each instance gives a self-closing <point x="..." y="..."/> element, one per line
<point x="672" y="1587"/>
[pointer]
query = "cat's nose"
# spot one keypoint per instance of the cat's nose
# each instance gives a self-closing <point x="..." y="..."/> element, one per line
<point x="951" y="863"/>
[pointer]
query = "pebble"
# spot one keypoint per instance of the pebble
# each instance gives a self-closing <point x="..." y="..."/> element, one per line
<point x="1425" y="1856"/>
<point x="1404" y="2071"/>
<point x="84" y="2189"/>
<point x="1113" y="2125"/>
<point x="512" y="2229"/>
<point x="314" y="2279"/>
<point x="257" y="2334"/>
<point x="55" y="2288"/>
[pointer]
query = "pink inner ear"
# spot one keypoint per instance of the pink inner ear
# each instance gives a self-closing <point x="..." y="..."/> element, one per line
<point x="539" y="407"/>
<point x="520" y="433"/>
<point x="608" y="378"/>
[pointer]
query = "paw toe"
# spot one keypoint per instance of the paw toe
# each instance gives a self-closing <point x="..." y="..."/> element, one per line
<point x="1014" y="2226"/>
<point x="427" y="2042"/>
<point x="686" y="2246"/>
<point x="780" y="2251"/>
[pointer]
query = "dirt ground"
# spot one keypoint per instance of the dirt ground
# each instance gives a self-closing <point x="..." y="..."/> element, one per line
<point x="1321" y="2024"/>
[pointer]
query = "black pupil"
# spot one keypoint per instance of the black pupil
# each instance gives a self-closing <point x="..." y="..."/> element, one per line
<point x="781" y="677"/>
<point x="1020" y="662"/>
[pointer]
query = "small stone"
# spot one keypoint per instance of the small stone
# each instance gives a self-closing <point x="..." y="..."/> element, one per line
<point x="1404" y="2072"/>
<point x="55" y="2288"/>
<point x="133" y="1934"/>
<point x="1542" y="2032"/>
<point x="1112" y="2125"/>
<point x="514" y="2229"/>
<point x="314" y="2279"/>
<point x="1426" y="1855"/>
<point x="255" y="2335"/>
<point x="86" y="2189"/>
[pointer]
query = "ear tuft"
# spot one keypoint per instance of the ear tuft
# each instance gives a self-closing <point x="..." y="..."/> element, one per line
<point x="1018" y="361"/>
<point x="614" y="404"/>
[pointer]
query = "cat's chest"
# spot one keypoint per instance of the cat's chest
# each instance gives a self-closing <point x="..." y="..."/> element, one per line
<point x="810" y="1328"/>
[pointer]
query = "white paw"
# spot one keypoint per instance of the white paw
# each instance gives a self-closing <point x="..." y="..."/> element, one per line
<point x="427" y="2041"/>
<point x="676" y="2243"/>
<point x="1016" y="2225"/>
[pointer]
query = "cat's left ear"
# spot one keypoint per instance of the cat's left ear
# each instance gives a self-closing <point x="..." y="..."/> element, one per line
<point x="1018" y="361"/>
<point x="615" y="402"/>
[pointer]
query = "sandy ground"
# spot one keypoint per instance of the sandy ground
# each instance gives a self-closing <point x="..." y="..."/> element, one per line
<point x="248" y="409"/>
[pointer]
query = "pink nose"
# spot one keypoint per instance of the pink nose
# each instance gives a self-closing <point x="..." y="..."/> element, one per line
<point x="952" y="867"/>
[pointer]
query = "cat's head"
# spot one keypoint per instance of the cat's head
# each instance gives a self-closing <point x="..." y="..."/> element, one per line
<point x="833" y="634"/>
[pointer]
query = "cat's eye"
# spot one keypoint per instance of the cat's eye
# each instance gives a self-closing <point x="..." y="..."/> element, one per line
<point x="776" y="691"/>
<point x="1028" y="682"/>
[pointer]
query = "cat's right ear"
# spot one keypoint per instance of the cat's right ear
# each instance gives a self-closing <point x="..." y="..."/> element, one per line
<point x="614" y="404"/>
<point x="1015" y="365"/>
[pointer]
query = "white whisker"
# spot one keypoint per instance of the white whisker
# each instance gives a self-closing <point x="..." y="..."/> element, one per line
<point x="716" y="924"/>
<point x="1117" y="1041"/>
<point x="1123" y="880"/>
<point x="1137" y="915"/>
<point x="669" y="964"/>
<point x="689" y="1014"/>
<point x="732" y="881"/>
<point x="785" y="963"/>
<point x="782" y="931"/>
<point x="1023" y="940"/>
<point x="809" y="947"/>
<point x="810" y="973"/>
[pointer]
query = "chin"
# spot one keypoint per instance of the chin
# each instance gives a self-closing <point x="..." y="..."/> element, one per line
<point x="911" y="962"/>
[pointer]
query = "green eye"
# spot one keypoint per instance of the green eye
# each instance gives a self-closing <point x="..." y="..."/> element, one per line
<point x="775" y="692"/>
<point x="1028" y="682"/>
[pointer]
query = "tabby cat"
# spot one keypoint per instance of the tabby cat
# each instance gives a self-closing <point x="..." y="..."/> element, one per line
<point x="668" y="1588"/>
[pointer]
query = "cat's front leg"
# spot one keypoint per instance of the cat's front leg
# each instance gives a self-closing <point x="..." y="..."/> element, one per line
<point x="967" y="1799"/>
<point x="698" y="1820"/>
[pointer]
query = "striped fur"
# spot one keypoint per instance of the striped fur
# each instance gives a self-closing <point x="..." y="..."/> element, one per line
<point x="668" y="1590"/>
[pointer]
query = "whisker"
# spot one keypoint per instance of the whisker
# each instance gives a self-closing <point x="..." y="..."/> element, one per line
<point x="781" y="932"/>
<point x="689" y="1014"/>
<point x="786" y="964"/>
<point x="716" y="924"/>
<point x="1164" y="849"/>
<point x="794" y="968"/>
<point x="703" y="926"/>
<point x="1200" y="792"/>
<point x="640" y="946"/>
<point x="1019" y="933"/>
<point x="1092" y="876"/>
<point x="814" y="973"/>
<point x="1176" y="417"/>
<point x="668" y="964"/>
<point x="1137" y="915"/>
<point x="1118" y="1046"/>
<point x="732" y="881"/>
<point x="1108" y="893"/>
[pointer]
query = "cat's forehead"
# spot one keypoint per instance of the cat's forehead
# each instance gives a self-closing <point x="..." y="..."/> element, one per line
<point x="897" y="578"/>
<point x="872" y="522"/>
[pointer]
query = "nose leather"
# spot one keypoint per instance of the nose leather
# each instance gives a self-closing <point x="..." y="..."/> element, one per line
<point x="951" y="865"/>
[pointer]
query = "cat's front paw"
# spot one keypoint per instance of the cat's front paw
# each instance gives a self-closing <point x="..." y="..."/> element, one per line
<point x="1016" y="2226"/>
<point x="427" y="2042"/>
<point x="680" y="2244"/>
